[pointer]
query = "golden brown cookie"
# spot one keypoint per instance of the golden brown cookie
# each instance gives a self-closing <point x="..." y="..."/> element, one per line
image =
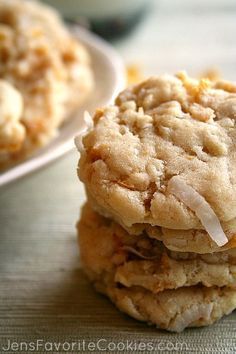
<point x="193" y="240"/>
<point x="138" y="272"/>
<point x="174" y="310"/>
<point x="50" y="68"/>
<point x="165" y="144"/>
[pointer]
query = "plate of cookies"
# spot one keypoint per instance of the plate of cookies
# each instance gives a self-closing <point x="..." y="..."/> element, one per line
<point x="49" y="75"/>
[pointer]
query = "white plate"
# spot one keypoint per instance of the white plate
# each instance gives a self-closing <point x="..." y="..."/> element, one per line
<point x="109" y="75"/>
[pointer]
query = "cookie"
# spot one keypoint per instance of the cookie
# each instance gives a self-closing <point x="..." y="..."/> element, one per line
<point x="136" y="271"/>
<point x="193" y="240"/>
<point x="197" y="241"/>
<point x="162" y="135"/>
<point x="173" y="310"/>
<point x="12" y="132"/>
<point x="140" y="261"/>
<point x="50" y="68"/>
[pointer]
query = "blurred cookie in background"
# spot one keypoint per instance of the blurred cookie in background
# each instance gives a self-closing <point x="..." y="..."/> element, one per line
<point x="47" y="65"/>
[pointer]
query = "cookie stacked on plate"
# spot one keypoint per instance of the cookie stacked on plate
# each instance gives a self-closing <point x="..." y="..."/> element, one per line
<point x="158" y="233"/>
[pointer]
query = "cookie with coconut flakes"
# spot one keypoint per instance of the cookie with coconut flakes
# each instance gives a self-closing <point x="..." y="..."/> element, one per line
<point x="141" y="261"/>
<point x="197" y="241"/>
<point x="173" y="290"/>
<point x="49" y="67"/>
<point x="192" y="240"/>
<point x="165" y="155"/>
<point x="172" y="310"/>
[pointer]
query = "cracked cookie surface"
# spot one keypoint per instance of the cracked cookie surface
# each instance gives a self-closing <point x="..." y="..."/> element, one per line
<point x="166" y="126"/>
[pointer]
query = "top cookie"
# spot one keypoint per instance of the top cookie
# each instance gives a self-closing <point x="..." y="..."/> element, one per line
<point x="166" y="126"/>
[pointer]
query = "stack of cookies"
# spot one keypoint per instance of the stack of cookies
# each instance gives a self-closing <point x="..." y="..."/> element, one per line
<point x="158" y="233"/>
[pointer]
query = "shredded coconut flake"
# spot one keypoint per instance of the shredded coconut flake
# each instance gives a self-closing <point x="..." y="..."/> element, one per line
<point x="88" y="120"/>
<point x="137" y="253"/>
<point x="200" y="206"/>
